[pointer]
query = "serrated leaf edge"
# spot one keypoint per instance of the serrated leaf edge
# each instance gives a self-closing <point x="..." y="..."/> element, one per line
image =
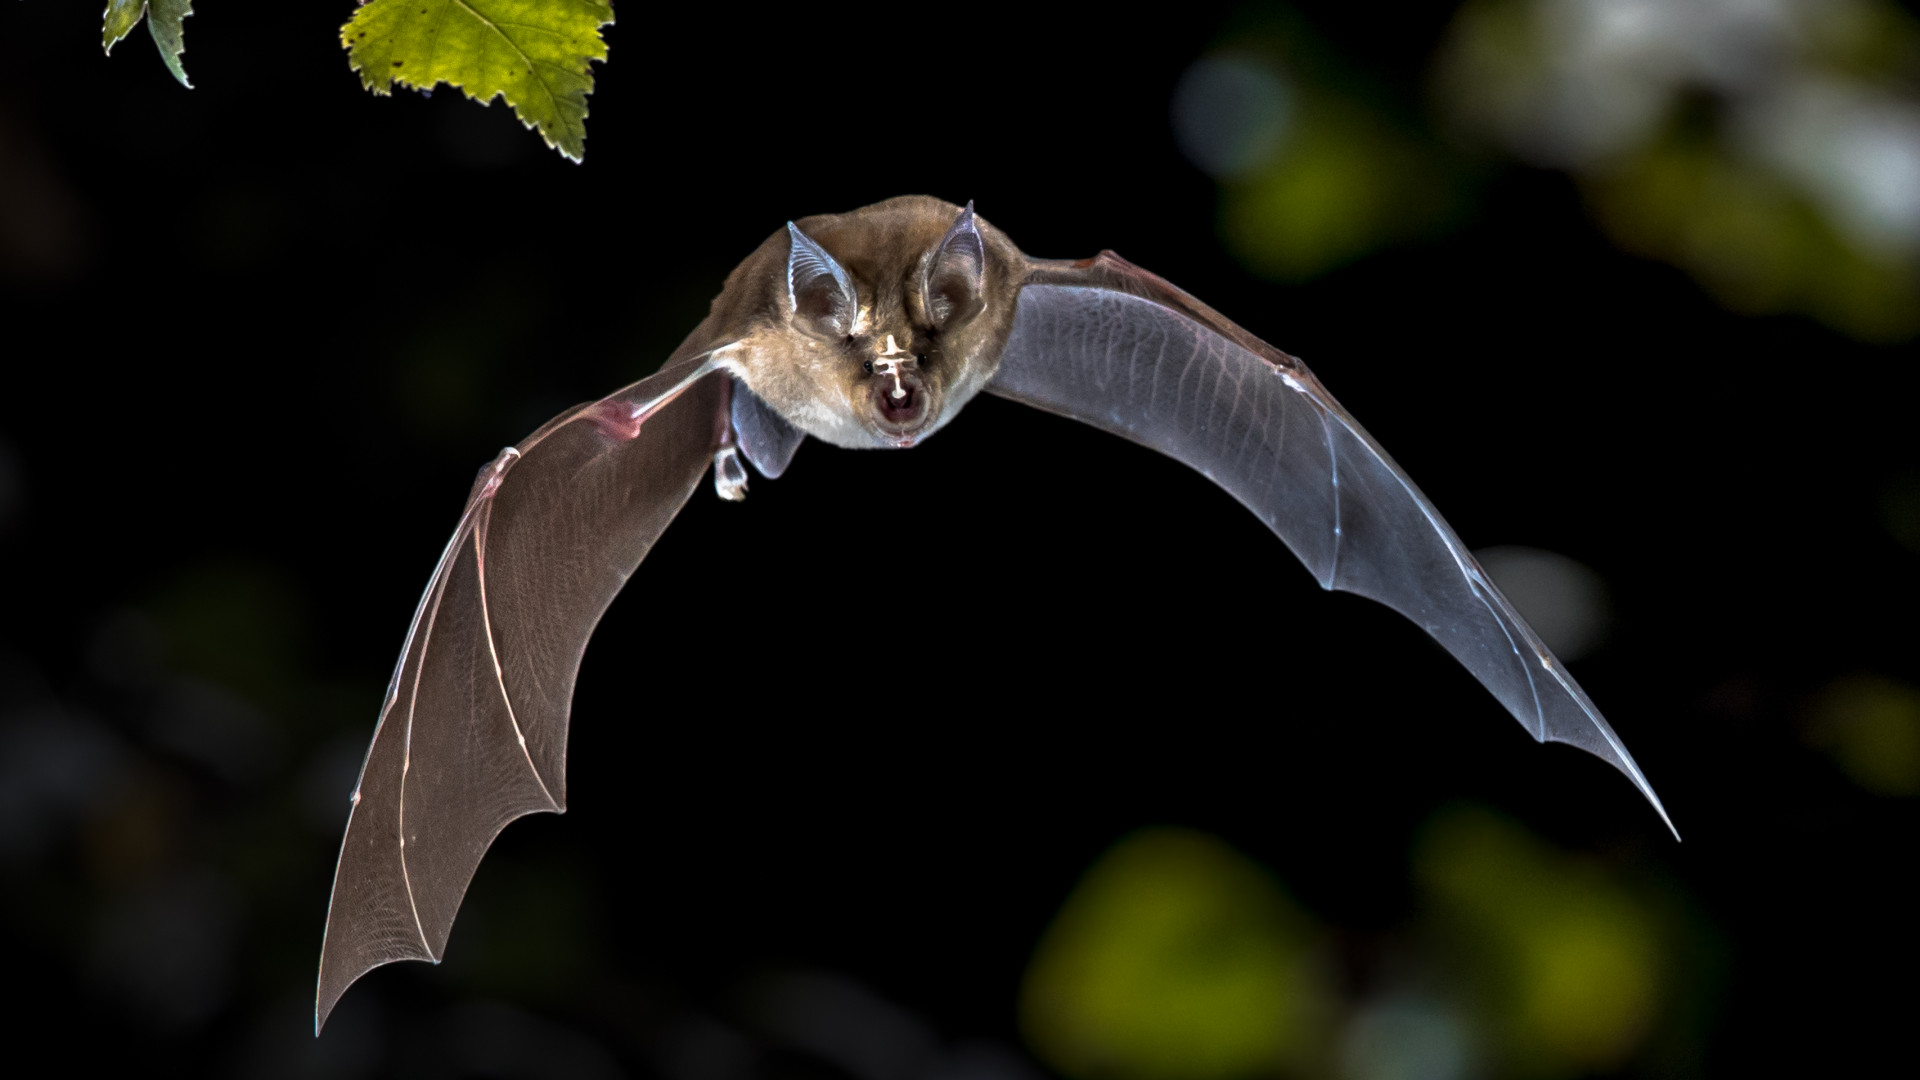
<point x="108" y="38"/>
<point x="170" y="37"/>
<point x="374" y="85"/>
<point x="166" y="30"/>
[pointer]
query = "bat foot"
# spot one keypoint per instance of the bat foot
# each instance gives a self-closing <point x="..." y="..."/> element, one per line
<point x="729" y="475"/>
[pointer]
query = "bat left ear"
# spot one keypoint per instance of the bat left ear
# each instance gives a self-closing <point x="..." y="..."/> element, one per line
<point x="953" y="287"/>
<point x="820" y="294"/>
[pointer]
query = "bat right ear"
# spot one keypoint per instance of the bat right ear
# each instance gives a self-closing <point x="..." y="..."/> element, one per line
<point x="954" y="288"/>
<point x="820" y="293"/>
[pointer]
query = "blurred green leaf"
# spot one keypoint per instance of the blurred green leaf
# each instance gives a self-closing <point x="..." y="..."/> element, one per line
<point x="1772" y="157"/>
<point x="1569" y="959"/>
<point x="1346" y="183"/>
<point x="1175" y="958"/>
<point x="119" y="20"/>
<point x="1752" y="239"/>
<point x="1319" y="162"/>
<point x="1871" y="726"/>
<point x="163" y="22"/>
<point x="534" y="53"/>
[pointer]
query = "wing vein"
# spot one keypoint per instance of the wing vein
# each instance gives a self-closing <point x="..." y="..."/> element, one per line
<point x="1333" y="466"/>
<point x="460" y="536"/>
<point x="1463" y="564"/>
<point x="493" y="647"/>
<point x="1533" y="688"/>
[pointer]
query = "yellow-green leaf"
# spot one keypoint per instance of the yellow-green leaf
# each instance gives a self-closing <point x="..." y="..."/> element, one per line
<point x="163" y="22"/>
<point x="534" y="53"/>
<point x="121" y="17"/>
<point x="1576" y="964"/>
<point x="1175" y="958"/>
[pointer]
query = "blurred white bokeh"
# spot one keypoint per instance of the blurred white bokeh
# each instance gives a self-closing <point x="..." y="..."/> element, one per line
<point x="1769" y="147"/>
<point x="1564" y="600"/>
<point x="1230" y="115"/>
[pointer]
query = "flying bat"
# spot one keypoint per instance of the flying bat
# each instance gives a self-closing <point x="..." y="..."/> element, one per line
<point x="867" y="329"/>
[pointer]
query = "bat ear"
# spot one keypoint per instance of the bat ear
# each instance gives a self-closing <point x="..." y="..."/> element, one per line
<point x="954" y="286"/>
<point x="819" y="291"/>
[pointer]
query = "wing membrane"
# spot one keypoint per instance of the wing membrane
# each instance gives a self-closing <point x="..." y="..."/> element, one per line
<point x="474" y="730"/>
<point x="1108" y="344"/>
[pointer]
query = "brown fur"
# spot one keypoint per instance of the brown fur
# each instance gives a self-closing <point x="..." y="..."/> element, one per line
<point x="823" y="386"/>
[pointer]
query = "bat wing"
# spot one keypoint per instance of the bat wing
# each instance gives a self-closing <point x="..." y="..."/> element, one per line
<point x="473" y="733"/>
<point x="1107" y="343"/>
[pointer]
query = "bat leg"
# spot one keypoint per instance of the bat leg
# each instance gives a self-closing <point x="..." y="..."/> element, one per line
<point x="729" y="472"/>
<point x="729" y="475"/>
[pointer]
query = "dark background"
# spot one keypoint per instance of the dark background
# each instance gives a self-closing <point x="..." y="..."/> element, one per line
<point x="267" y="329"/>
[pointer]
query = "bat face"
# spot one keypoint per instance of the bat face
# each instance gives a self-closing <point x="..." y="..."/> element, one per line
<point x="873" y="328"/>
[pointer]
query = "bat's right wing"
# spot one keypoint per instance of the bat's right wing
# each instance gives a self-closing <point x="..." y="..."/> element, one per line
<point x="1107" y="343"/>
<point x="474" y="730"/>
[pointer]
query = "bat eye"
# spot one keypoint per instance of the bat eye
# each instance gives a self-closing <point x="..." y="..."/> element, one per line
<point x="869" y="366"/>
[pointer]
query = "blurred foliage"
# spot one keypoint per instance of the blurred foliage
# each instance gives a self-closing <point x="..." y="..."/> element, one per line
<point x="1176" y="958"/>
<point x="1568" y="960"/>
<point x="1753" y="239"/>
<point x="1317" y="166"/>
<point x="1871" y="726"/>
<point x="534" y="54"/>
<point x="164" y="18"/>
<point x="1770" y="149"/>
<point x="1346" y="183"/>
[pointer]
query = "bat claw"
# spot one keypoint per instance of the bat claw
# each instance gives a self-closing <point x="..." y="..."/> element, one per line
<point x="729" y="475"/>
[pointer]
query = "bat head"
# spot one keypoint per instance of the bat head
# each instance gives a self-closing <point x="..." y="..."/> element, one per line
<point x="873" y="328"/>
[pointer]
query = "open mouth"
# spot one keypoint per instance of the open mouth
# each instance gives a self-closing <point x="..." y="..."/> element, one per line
<point x="900" y="409"/>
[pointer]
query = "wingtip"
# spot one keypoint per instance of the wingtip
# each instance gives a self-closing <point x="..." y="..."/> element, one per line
<point x="325" y="997"/>
<point x="1611" y="751"/>
<point x="322" y="1008"/>
<point x="1607" y="747"/>
<point x="1662" y="811"/>
<point x="1632" y="770"/>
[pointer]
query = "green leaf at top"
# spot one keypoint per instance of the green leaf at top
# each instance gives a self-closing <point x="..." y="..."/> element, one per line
<point x="534" y="53"/>
<point x="163" y="22"/>
<point x="121" y="17"/>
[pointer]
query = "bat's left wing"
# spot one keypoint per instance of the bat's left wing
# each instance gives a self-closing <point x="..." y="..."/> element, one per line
<point x="473" y="733"/>
<point x="1107" y="343"/>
